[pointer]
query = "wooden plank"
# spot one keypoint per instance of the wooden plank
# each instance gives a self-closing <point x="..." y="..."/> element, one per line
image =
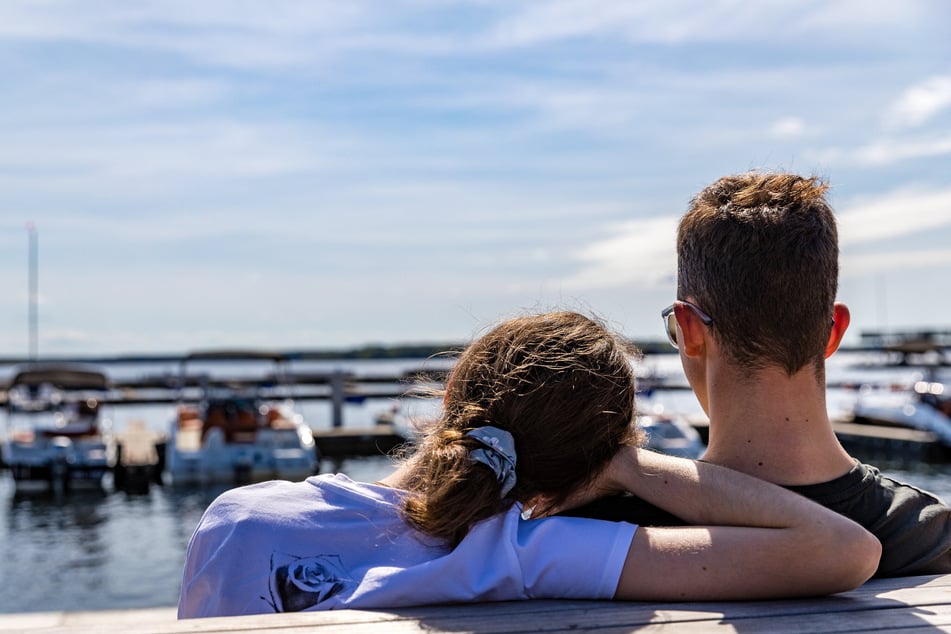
<point x="854" y="622"/>
<point x="909" y="603"/>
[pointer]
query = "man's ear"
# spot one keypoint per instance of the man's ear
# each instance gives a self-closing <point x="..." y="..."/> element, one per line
<point x="692" y="330"/>
<point x="842" y="317"/>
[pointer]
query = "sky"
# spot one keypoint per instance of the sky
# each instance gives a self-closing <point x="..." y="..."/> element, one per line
<point x="324" y="174"/>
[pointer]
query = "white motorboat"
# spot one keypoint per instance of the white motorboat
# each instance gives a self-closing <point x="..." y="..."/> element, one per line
<point x="237" y="436"/>
<point x="239" y="439"/>
<point x="925" y="405"/>
<point x="671" y="434"/>
<point x="54" y="438"/>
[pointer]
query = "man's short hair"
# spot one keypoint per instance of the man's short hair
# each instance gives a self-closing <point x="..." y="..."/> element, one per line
<point x="759" y="253"/>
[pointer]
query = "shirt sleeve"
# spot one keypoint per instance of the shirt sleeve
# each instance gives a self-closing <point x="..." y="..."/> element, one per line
<point x="573" y="558"/>
<point x="505" y="558"/>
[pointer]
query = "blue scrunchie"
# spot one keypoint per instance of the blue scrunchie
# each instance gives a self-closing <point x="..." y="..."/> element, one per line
<point x="497" y="452"/>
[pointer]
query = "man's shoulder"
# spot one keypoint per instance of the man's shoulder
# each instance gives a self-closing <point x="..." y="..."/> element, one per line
<point x="865" y="484"/>
<point x="860" y="479"/>
<point x="913" y="525"/>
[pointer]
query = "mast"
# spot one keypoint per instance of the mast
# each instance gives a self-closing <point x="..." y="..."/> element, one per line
<point x="33" y="294"/>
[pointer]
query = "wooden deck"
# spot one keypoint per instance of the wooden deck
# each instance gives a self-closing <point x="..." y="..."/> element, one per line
<point x="908" y="604"/>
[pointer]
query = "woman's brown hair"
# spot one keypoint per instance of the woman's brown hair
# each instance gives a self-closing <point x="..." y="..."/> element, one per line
<point x="561" y="383"/>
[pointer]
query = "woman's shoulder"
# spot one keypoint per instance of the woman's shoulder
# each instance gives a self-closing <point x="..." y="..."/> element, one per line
<point x="281" y="498"/>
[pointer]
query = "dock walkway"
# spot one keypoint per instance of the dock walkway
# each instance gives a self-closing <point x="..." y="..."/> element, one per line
<point x="908" y="604"/>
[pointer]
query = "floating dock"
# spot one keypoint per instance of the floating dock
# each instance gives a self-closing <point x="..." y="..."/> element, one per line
<point x="377" y="440"/>
<point x="873" y="442"/>
<point x="907" y="604"/>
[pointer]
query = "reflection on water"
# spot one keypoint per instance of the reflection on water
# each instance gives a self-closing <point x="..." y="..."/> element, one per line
<point x="67" y="546"/>
<point x="93" y="550"/>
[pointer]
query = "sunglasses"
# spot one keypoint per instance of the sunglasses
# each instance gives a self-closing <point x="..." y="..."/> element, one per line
<point x="670" y="320"/>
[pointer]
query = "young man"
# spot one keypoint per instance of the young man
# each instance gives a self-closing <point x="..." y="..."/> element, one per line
<point x="754" y="321"/>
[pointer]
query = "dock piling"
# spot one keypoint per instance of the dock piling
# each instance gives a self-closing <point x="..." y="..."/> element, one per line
<point x="337" y="389"/>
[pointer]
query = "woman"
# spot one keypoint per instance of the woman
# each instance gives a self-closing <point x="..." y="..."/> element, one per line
<point x="538" y="417"/>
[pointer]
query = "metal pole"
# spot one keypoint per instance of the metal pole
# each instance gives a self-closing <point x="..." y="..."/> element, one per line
<point x="882" y="302"/>
<point x="33" y="290"/>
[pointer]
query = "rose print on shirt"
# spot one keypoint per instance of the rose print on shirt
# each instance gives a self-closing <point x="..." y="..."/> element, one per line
<point x="298" y="583"/>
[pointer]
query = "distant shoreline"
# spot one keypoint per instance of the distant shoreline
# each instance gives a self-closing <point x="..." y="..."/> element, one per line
<point x="370" y="351"/>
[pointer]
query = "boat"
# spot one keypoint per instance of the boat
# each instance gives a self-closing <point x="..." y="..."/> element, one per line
<point x="54" y="438"/>
<point x="671" y="434"/>
<point x="238" y="434"/>
<point x="923" y="405"/>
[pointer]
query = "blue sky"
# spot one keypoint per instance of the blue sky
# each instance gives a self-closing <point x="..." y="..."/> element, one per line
<point x="330" y="174"/>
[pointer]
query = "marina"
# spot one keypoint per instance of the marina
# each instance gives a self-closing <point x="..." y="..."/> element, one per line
<point x="233" y="427"/>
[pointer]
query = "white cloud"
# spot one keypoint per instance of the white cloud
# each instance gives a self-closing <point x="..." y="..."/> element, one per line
<point x="283" y="33"/>
<point x="788" y="128"/>
<point x="887" y="151"/>
<point x="890" y="151"/>
<point x="641" y="252"/>
<point x="920" y="103"/>
<point x="179" y="93"/>
<point x="575" y="106"/>
<point x="837" y="16"/>
<point x="158" y="155"/>
<point x="899" y="213"/>
<point x="679" y="21"/>
<point x="293" y="34"/>
<point x="105" y="21"/>
<point x="859" y="264"/>
<point x="64" y="339"/>
<point x="541" y="22"/>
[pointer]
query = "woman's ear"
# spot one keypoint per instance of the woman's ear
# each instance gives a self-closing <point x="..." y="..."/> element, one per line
<point x="841" y="317"/>
<point x="692" y="331"/>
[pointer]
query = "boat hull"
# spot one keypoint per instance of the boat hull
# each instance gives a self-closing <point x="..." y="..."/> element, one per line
<point x="56" y="475"/>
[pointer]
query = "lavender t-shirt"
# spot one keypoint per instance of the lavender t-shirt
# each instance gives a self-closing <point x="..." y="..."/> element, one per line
<point x="329" y="542"/>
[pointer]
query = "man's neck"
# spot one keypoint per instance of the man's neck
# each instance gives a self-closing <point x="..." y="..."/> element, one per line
<point x="774" y="426"/>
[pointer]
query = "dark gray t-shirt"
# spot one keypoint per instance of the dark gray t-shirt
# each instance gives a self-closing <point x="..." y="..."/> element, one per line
<point x="913" y="525"/>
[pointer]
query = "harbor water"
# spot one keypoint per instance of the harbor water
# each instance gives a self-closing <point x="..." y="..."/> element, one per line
<point x="111" y="550"/>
